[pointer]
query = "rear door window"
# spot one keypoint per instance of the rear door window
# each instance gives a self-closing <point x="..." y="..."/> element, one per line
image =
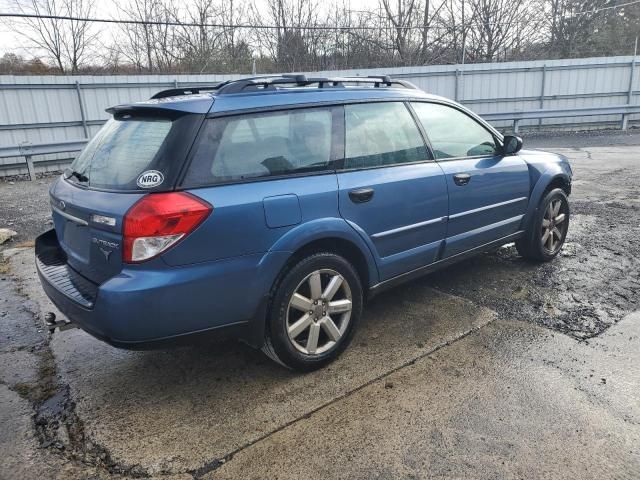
<point x="265" y="144"/>
<point x="120" y="152"/>
<point x="381" y="134"/>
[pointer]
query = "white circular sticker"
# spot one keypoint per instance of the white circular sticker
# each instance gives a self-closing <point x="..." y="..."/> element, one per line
<point x="150" y="179"/>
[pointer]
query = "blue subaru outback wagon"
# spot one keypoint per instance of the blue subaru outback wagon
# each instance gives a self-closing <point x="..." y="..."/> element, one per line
<point x="270" y="208"/>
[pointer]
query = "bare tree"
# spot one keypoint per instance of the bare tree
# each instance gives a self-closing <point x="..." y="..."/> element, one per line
<point x="432" y="47"/>
<point x="302" y="35"/>
<point x="135" y="41"/>
<point x="80" y="35"/>
<point x="199" y="45"/>
<point x="402" y="16"/>
<point x="499" y="25"/>
<point x="151" y="44"/>
<point x="293" y="42"/>
<point x="64" y="42"/>
<point x="572" y="25"/>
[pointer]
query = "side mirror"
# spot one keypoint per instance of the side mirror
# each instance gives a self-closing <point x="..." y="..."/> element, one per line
<point x="511" y="144"/>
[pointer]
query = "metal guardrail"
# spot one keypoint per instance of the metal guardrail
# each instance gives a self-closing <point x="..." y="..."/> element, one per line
<point x="624" y="110"/>
<point x="28" y="150"/>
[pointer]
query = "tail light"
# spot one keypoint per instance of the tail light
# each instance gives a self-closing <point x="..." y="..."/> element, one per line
<point x="160" y="220"/>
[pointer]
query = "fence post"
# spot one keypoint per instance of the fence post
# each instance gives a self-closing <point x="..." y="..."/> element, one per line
<point x="516" y="126"/>
<point x="31" y="168"/>
<point x="625" y="117"/>
<point x="542" y="89"/>
<point x="83" y="117"/>
<point x="175" y="83"/>
<point x="457" y="87"/>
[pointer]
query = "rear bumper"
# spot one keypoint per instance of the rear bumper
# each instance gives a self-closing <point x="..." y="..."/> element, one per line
<point x="152" y="307"/>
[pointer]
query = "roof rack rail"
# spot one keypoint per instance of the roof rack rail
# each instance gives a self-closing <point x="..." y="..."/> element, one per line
<point x="270" y="82"/>
<point x="299" y="80"/>
<point x="174" y="92"/>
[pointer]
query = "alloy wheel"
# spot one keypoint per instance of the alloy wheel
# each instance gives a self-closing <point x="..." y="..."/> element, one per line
<point x="554" y="225"/>
<point x="319" y="311"/>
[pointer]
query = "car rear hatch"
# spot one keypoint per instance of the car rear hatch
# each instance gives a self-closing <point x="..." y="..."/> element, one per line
<point x="134" y="154"/>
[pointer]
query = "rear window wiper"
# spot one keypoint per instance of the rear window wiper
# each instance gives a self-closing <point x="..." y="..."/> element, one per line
<point x="81" y="177"/>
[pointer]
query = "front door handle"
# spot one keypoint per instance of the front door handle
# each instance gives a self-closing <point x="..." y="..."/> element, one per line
<point x="361" y="195"/>
<point x="462" y="179"/>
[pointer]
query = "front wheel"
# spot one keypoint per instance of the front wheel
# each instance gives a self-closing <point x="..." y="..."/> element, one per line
<point x="546" y="234"/>
<point x="314" y="312"/>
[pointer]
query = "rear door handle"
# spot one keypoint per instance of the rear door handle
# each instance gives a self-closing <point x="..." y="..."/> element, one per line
<point x="461" y="179"/>
<point x="361" y="195"/>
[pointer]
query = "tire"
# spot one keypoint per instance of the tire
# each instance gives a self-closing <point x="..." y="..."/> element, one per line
<point x="547" y="232"/>
<point x="304" y="336"/>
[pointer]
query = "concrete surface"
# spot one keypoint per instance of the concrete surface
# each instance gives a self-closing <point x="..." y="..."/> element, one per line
<point x="491" y="369"/>
<point x="510" y="401"/>
<point x="228" y="393"/>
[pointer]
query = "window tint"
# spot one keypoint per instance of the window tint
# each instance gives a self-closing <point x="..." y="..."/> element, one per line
<point x="120" y="152"/>
<point x="262" y="144"/>
<point x="453" y="133"/>
<point x="380" y="134"/>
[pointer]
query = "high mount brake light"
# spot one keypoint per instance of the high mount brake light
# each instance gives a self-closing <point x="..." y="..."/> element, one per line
<point x="158" y="221"/>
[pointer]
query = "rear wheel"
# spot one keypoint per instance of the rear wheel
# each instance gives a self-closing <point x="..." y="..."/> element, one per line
<point x="548" y="231"/>
<point x="314" y="312"/>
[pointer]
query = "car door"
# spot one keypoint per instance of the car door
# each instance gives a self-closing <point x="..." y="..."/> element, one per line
<point x="390" y="190"/>
<point x="488" y="192"/>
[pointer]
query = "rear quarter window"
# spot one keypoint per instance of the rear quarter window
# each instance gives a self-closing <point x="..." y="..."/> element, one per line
<point x="256" y="145"/>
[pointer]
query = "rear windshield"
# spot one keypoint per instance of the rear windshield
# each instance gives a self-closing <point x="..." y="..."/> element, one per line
<point x="121" y="153"/>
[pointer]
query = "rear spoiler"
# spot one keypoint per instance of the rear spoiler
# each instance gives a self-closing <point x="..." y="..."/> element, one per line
<point x="166" y="107"/>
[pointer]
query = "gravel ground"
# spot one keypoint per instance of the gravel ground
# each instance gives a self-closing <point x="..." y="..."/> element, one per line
<point x="25" y="208"/>
<point x="591" y="286"/>
<point x="587" y="138"/>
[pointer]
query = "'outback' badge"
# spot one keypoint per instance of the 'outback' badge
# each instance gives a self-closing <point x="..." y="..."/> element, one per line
<point x="150" y="179"/>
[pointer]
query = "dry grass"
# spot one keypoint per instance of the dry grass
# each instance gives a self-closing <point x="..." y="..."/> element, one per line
<point x="5" y="268"/>
<point x="25" y="244"/>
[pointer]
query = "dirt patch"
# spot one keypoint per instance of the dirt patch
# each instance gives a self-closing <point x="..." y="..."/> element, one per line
<point x="591" y="285"/>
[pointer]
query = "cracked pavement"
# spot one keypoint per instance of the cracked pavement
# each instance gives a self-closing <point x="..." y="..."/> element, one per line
<point x="493" y="368"/>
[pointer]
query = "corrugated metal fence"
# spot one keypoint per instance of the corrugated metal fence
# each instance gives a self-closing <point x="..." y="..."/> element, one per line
<point x="42" y="109"/>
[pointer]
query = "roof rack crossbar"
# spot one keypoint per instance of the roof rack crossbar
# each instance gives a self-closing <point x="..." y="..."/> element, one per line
<point x="266" y="82"/>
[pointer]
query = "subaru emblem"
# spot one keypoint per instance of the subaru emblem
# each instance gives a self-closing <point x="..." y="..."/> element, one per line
<point x="106" y="253"/>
